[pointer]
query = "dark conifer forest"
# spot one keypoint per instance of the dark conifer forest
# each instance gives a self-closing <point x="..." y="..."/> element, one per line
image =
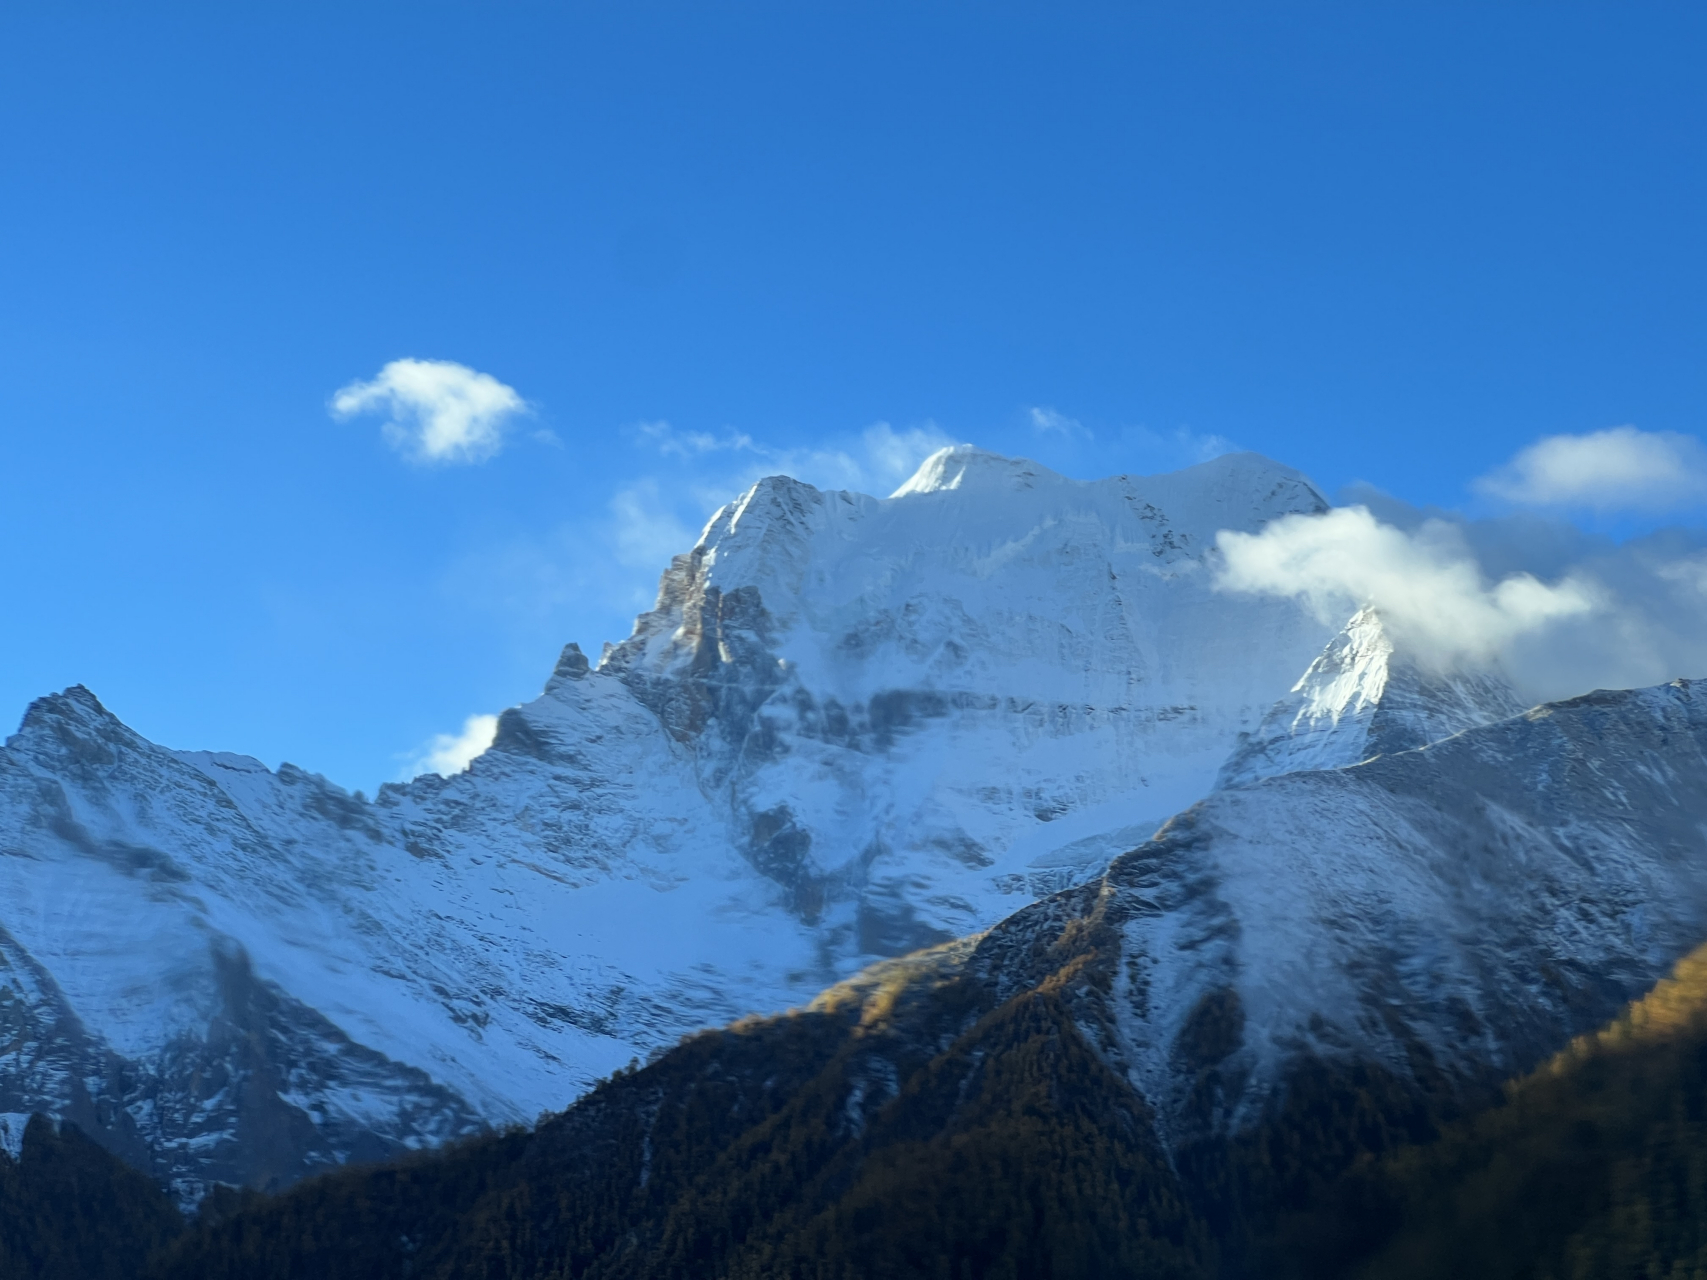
<point x="69" y="1210"/>
<point x="839" y="1143"/>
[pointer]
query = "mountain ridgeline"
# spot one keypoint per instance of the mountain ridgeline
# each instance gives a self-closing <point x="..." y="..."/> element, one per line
<point x="858" y="842"/>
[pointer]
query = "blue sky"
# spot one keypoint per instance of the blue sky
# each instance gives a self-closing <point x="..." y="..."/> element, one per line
<point x="1387" y="244"/>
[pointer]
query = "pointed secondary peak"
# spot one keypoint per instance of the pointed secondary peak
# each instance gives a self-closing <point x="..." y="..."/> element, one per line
<point x="964" y="466"/>
<point x="72" y="725"/>
<point x="777" y="488"/>
<point x="76" y="704"/>
<point x="770" y="522"/>
<point x="772" y="502"/>
<point x="1351" y="673"/>
<point x="772" y="497"/>
<point x="1363" y="697"/>
<point x="84" y="699"/>
<point x="572" y="664"/>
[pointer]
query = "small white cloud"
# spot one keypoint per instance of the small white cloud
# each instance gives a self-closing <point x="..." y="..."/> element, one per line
<point x="1619" y="469"/>
<point x="451" y="753"/>
<point x="440" y="411"/>
<point x="1047" y="422"/>
<point x="1426" y="583"/>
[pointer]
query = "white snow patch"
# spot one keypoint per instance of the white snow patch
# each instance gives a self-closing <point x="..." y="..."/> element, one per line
<point x="12" y="1125"/>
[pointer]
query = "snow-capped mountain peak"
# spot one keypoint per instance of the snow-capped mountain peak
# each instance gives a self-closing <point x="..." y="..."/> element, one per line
<point x="965" y="466"/>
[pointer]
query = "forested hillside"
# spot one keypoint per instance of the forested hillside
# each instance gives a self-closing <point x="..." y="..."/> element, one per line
<point x="1595" y="1165"/>
<point x="69" y="1210"/>
<point x="840" y="1142"/>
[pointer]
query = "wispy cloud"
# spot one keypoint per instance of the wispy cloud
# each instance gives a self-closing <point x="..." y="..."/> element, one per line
<point x="1182" y="445"/>
<point x="877" y="461"/>
<point x="450" y="753"/>
<point x="645" y="528"/>
<point x="439" y="411"/>
<point x="1051" y="422"/>
<point x="1619" y="469"/>
<point x="691" y="444"/>
<point x="1069" y="440"/>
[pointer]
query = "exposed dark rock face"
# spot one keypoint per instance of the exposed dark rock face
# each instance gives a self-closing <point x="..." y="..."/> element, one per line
<point x="231" y="1105"/>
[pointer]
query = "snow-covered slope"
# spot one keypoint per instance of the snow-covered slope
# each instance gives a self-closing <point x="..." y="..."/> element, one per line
<point x="1455" y="912"/>
<point x="849" y="727"/>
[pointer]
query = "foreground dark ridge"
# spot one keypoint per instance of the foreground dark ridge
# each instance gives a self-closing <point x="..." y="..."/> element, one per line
<point x="1595" y="1165"/>
<point x="854" y="1139"/>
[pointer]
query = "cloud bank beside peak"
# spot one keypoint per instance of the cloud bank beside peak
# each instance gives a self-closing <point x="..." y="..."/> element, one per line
<point x="1619" y="469"/>
<point x="1426" y="584"/>
<point x="1610" y="617"/>
<point x="438" y="411"/>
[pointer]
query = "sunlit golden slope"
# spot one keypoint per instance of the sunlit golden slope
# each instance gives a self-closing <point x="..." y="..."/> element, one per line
<point x="1596" y="1164"/>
